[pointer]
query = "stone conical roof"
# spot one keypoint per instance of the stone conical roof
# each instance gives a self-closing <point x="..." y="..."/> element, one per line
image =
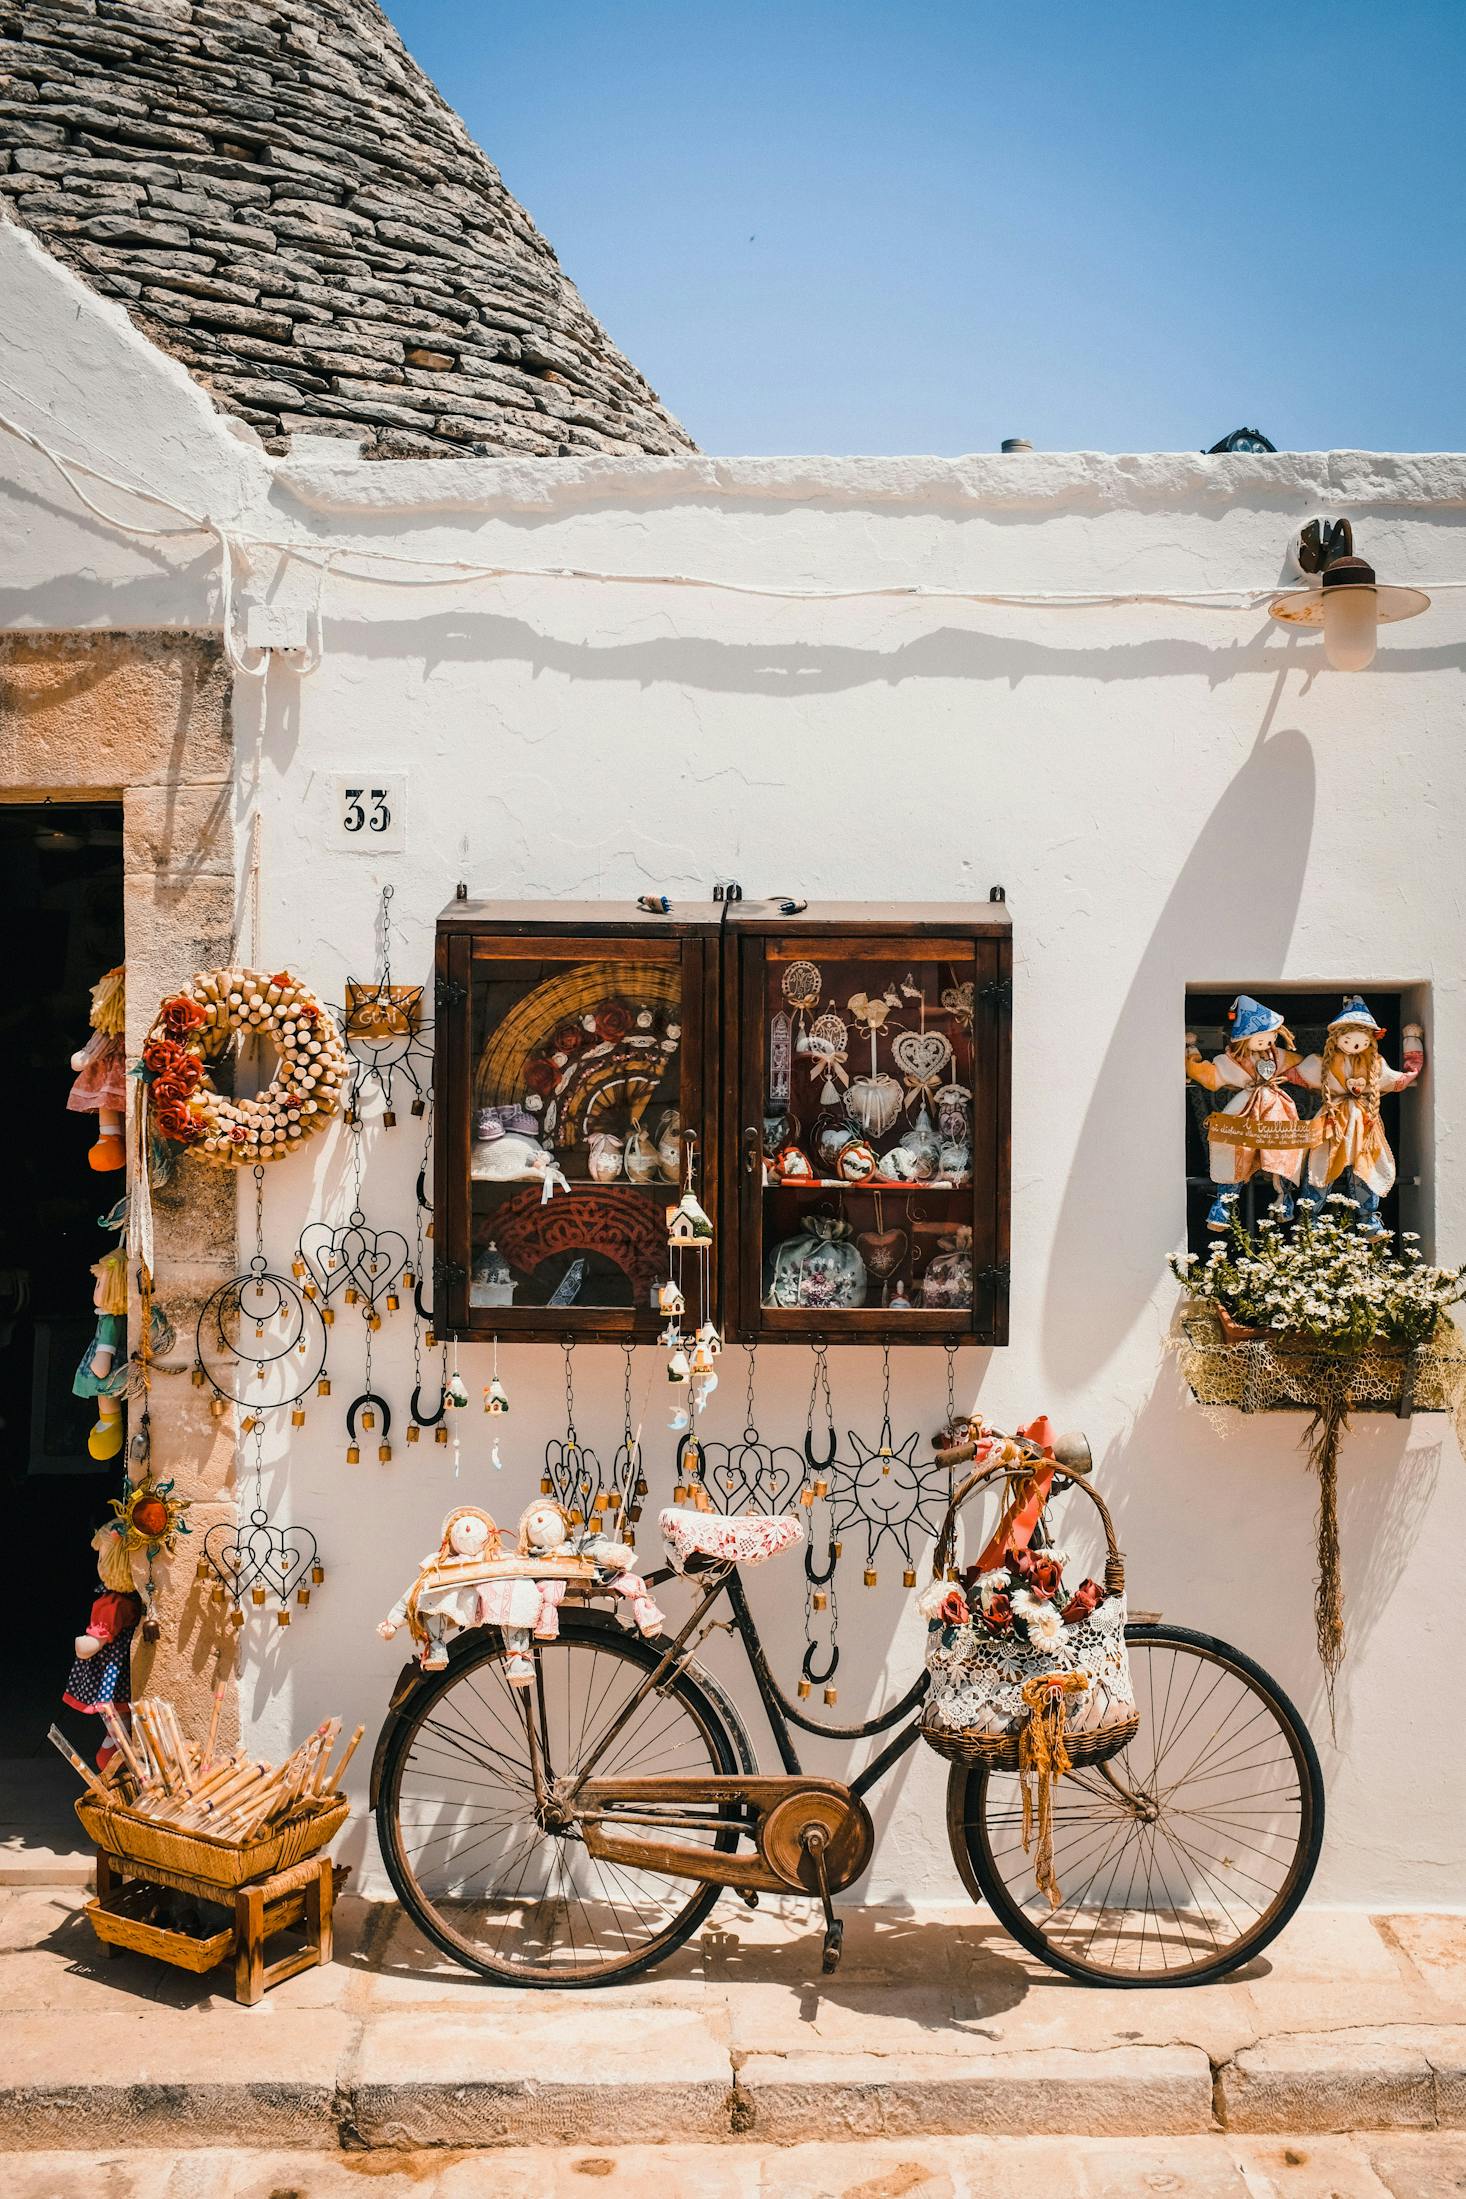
<point x="281" y="199"/>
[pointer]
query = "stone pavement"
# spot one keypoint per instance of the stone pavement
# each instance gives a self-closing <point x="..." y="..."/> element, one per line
<point x="935" y="2026"/>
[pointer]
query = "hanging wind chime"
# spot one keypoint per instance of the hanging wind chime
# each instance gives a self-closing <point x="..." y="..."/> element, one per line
<point x="260" y="1346"/>
<point x="821" y="1607"/>
<point x="883" y="1493"/>
<point x="692" y="1350"/>
<point x="751" y="1475"/>
<point x="594" y="1495"/>
<point x="365" y="1266"/>
<point x="386" y="1035"/>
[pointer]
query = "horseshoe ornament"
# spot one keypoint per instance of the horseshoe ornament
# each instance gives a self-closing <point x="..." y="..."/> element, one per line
<point x="417" y="1411"/>
<point x="819" y="1679"/>
<point x="368" y="1397"/>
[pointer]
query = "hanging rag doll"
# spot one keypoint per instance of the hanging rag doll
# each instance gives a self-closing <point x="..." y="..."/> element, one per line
<point x="103" y="1371"/>
<point x="444" y="1598"/>
<point x="101" y="1671"/>
<point x="1258" y="1128"/>
<point x="1351" y="1074"/>
<point x="101" y="1084"/>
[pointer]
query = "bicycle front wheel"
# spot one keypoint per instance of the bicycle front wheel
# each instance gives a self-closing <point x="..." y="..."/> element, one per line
<point x="1180" y="1858"/>
<point x="495" y="1880"/>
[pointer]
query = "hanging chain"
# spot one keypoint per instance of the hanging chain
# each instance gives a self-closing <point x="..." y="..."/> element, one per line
<point x="630" y="1432"/>
<point x="750" y="1426"/>
<point x="259" y="1177"/>
<point x="387" y="892"/>
<point x="571" y="1438"/>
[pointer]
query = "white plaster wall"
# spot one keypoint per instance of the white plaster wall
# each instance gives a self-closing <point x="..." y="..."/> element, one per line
<point x="1169" y="795"/>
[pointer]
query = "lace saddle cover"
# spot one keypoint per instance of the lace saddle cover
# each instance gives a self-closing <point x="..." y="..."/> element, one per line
<point x="977" y="1677"/>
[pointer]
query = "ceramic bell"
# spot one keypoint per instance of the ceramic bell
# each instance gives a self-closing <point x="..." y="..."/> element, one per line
<point x="670" y="1300"/>
<point x="643" y="1161"/>
<point x="678" y="1366"/>
<point x="669" y="1145"/>
<point x="604" y="1156"/>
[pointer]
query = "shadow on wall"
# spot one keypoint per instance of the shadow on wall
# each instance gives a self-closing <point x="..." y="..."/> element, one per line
<point x="1235" y="900"/>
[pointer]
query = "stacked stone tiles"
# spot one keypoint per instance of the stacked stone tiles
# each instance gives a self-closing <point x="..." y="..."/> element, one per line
<point x="282" y="200"/>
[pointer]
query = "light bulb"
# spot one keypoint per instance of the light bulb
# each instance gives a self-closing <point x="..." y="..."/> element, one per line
<point x="1350" y="627"/>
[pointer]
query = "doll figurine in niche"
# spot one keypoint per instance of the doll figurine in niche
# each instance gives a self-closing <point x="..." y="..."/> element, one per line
<point x="444" y="1599"/>
<point x="101" y="1671"/>
<point x="1351" y="1074"/>
<point x="101" y="1065"/>
<point x="1258" y="1129"/>
<point x="100" y="1375"/>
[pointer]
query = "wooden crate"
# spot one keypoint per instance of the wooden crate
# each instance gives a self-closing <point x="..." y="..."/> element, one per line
<point x="301" y="1897"/>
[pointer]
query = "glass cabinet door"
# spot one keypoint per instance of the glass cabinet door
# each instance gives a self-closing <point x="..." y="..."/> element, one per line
<point x="874" y="1137"/>
<point x="577" y="1085"/>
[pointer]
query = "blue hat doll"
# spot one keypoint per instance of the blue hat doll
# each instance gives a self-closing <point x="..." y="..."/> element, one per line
<point x="1250" y="1019"/>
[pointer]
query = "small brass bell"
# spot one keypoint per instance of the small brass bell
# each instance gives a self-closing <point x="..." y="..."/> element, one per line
<point x="908" y="1578"/>
<point x="419" y="1106"/>
<point x="393" y="1301"/>
<point x="806" y="1498"/>
<point x="201" y="1570"/>
<point x="151" y="1631"/>
<point x="352" y="1294"/>
<point x="198" y="1378"/>
<point x="327" y="1315"/>
<point x="236" y="1618"/>
<point x="429" y="1230"/>
<point x="257" y="1595"/>
<point x="318" y="1574"/>
<point x="819" y="1601"/>
<point x="389" y="1118"/>
<point x="414" y="1432"/>
<point x="440" y="1435"/>
<point x="374" y="1320"/>
<point x="384" y="1453"/>
<point x="297" y="1418"/>
<point x="577" y="1519"/>
<point x="302" y="1597"/>
<point x="546" y="1488"/>
<point x="248" y="1425"/>
<point x="323" y="1387"/>
<point x="308" y="1290"/>
<point x="353" y="1454"/>
<point x="642" y="1488"/>
<point x="282" y="1616"/>
<point x="216" y="1407"/>
<point x="832" y="1695"/>
<point x="216" y="1595"/>
<point x="369" y="1418"/>
<point x="429" y="1338"/>
<point x="679" y="1494"/>
<point x="803" y="1689"/>
<point x="837" y="1547"/>
<point x="408" y="1278"/>
<point x="297" y="1269"/>
<point x="821" y="1487"/>
<point x="870" y="1576"/>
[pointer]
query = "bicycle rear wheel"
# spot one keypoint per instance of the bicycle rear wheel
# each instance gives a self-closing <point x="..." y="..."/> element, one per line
<point x="495" y="1881"/>
<point x="1181" y="1858"/>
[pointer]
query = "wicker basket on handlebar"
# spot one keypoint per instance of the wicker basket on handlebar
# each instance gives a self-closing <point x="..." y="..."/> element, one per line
<point x="986" y="1681"/>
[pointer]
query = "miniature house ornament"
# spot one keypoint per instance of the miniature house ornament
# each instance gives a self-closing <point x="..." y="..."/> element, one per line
<point x="1351" y="1074"/>
<point x="1257" y="1130"/>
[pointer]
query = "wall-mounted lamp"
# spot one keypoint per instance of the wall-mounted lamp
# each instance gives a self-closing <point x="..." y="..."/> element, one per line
<point x="1349" y="604"/>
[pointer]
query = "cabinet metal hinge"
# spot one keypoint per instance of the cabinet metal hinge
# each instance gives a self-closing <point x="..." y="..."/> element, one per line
<point x="448" y="992"/>
<point x="999" y="990"/>
<point x="997" y="1276"/>
<point x="448" y="1274"/>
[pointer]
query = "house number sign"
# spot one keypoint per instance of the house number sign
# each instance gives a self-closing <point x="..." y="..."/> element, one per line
<point x="370" y="811"/>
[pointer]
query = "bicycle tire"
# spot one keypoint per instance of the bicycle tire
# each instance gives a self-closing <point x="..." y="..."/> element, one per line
<point x="981" y="1811"/>
<point x="723" y="1739"/>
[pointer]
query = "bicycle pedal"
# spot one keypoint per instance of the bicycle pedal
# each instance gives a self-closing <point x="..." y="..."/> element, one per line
<point x="834" y="1946"/>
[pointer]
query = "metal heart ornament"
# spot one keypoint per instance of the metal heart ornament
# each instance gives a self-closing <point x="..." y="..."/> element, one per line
<point x="921" y="1056"/>
<point x="254" y="1553"/>
<point x="367" y="1260"/>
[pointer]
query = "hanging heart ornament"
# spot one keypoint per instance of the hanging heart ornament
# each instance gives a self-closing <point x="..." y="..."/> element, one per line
<point x="921" y="1056"/>
<point x="873" y="1103"/>
<point x="369" y="1260"/>
<point x="256" y="1553"/>
<point x="882" y="1250"/>
<point x="802" y="984"/>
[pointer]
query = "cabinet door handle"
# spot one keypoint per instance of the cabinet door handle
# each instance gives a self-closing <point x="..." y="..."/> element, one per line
<point x="753" y="1148"/>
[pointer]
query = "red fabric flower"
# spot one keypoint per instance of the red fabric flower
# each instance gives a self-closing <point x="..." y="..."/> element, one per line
<point x="175" y="1121"/>
<point x="160" y="1054"/>
<point x="181" y="1015"/>
<point x="612" y="1021"/>
<point x="539" y="1075"/>
<point x="1045" y="1578"/>
<point x="998" y="1611"/>
<point x="1082" y="1602"/>
<point x="569" y="1038"/>
<point x="952" y="1610"/>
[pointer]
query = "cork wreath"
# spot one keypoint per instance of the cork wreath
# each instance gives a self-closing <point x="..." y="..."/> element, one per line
<point x="193" y="1030"/>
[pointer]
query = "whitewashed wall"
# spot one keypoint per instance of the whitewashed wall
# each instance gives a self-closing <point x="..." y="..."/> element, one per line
<point x="1169" y="796"/>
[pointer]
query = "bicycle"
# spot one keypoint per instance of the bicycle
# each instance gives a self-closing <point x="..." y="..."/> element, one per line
<point x="528" y="1830"/>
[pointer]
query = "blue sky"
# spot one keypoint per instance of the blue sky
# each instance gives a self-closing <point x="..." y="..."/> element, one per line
<point x="922" y="225"/>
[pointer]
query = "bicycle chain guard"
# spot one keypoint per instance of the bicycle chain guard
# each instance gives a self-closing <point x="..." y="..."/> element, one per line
<point x="619" y="1817"/>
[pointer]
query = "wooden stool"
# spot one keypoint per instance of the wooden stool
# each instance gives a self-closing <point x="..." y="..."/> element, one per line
<point x="303" y="1895"/>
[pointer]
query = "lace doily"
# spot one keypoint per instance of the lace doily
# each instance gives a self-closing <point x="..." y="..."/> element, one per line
<point x="977" y="1677"/>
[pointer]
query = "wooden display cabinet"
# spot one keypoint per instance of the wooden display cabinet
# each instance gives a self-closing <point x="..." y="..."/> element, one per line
<point x="858" y="1252"/>
<point x="581" y="1031"/>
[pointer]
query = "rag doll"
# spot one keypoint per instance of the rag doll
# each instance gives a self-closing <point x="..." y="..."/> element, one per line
<point x="1258" y="1128"/>
<point x="103" y="1371"/>
<point x="1351" y="1074"/>
<point x="101" y="1084"/>
<point x="444" y="1598"/>
<point x="101" y="1671"/>
<point x="615" y="1564"/>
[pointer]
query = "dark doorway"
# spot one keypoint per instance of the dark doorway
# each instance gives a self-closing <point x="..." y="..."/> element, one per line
<point x="61" y="912"/>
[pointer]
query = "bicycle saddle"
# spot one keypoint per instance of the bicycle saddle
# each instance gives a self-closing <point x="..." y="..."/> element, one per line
<point x="745" y="1540"/>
